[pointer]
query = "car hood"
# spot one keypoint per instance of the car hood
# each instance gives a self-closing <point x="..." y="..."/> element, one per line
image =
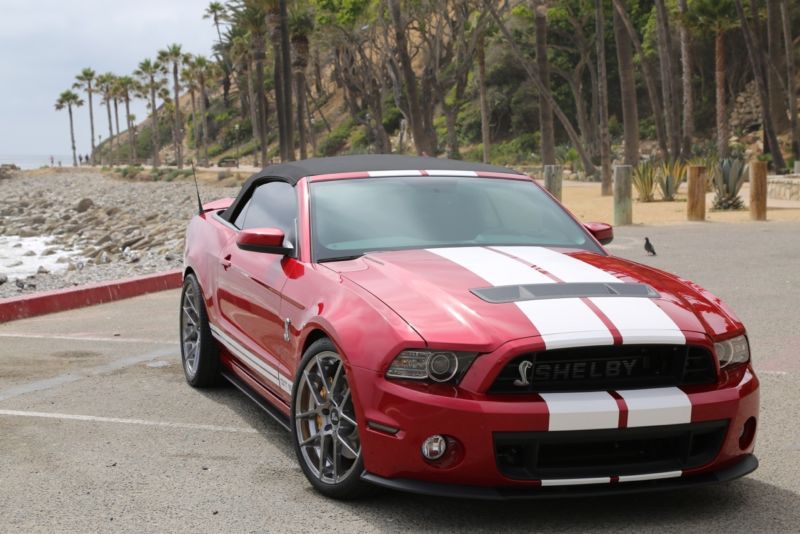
<point x="434" y="290"/>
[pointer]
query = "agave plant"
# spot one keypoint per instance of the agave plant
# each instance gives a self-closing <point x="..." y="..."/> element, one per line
<point x="670" y="177"/>
<point x="644" y="180"/>
<point x="728" y="179"/>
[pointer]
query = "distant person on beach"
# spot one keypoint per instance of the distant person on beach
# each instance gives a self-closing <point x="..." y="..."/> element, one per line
<point x="80" y="159"/>
<point x="59" y="163"/>
<point x="52" y="161"/>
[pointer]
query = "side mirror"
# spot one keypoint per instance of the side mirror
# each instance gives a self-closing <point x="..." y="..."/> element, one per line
<point x="601" y="231"/>
<point x="269" y="240"/>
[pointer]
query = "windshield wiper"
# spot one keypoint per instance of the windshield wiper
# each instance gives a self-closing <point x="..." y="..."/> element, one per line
<point x="340" y="258"/>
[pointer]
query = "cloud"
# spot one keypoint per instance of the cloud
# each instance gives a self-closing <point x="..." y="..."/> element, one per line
<point x="44" y="44"/>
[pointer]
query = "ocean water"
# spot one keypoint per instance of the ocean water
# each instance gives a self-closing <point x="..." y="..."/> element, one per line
<point x="34" y="161"/>
<point x="14" y="262"/>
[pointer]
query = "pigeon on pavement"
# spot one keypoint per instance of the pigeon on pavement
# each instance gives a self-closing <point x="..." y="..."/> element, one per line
<point x="648" y="247"/>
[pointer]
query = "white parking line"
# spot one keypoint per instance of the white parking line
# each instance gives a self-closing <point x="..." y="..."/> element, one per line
<point x="96" y="419"/>
<point x="86" y="338"/>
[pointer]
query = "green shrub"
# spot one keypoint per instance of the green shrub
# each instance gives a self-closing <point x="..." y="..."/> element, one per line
<point x="336" y="140"/>
<point x="644" y="180"/>
<point x="728" y="180"/>
<point x="670" y="177"/>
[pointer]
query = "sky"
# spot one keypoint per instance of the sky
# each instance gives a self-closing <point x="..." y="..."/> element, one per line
<point x="45" y="43"/>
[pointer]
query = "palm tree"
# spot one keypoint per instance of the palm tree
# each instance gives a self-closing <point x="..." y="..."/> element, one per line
<point x="189" y="81"/>
<point x="240" y="53"/>
<point x="173" y="56"/>
<point x="105" y="86"/>
<point x="147" y="73"/>
<point x="127" y="86"/>
<point x="68" y="99"/>
<point x="302" y="24"/>
<point x="84" y="81"/>
<point x="719" y="17"/>
<point x="202" y="68"/>
<point x="216" y="11"/>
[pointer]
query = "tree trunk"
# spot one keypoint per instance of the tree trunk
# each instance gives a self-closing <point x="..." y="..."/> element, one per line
<point x="627" y="79"/>
<point x="602" y="93"/>
<point x="193" y="100"/>
<point x="588" y="166"/>
<point x="777" y="101"/>
<point x="155" y="121"/>
<point x="483" y="100"/>
<point x="755" y="53"/>
<point x="719" y="80"/>
<point x="72" y="137"/>
<point x="287" y="79"/>
<point x="273" y="24"/>
<point x="791" y="90"/>
<point x="545" y="110"/>
<point x="204" y="117"/>
<point x="254" y="122"/>
<point x="686" y="77"/>
<point x="300" y="44"/>
<point x="649" y="79"/>
<point x="110" y="130"/>
<point x="131" y="138"/>
<point x="258" y="80"/>
<point x="91" y="117"/>
<point x="177" y="127"/>
<point x="415" y="113"/>
<point x="667" y="81"/>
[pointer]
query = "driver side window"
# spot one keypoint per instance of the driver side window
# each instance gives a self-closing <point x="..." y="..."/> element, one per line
<point x="272" y="205"/>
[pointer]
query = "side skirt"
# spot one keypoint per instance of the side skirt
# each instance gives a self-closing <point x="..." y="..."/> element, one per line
<point x="282" y="419"/>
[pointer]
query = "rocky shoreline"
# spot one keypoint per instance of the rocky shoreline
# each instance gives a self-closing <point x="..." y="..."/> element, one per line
<point x="99" y="228"/>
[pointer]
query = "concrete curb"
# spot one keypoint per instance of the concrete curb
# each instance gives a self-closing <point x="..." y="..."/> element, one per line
<point x="88" y="295"/>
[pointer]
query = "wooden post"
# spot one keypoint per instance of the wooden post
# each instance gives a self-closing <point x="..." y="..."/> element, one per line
<point x="758" y="190"/>
<point x="696" y="203"/>
<point x="797" y="167"/>
<point x="553" y="175"/>
<point x="623" y="192"/>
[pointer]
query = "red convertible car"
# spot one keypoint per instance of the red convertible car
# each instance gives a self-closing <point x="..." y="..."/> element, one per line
<point x="448" y="328"/>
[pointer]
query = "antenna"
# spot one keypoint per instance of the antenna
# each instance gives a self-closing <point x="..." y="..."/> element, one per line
<point x="197" y="190"/>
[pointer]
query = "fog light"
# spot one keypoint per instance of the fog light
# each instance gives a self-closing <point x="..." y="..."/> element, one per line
<point x="434" y="447"/>
<point x="748" y="433"/>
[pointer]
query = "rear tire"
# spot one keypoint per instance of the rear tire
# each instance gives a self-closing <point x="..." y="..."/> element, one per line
<point x="199" y="351"/>
<point x="324" y="428"/>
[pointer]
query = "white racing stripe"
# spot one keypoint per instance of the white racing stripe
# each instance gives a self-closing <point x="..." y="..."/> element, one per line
<point x="451" y="173"/>
<point x="589" y="410"/>
<point x="657" y="406"/>
<point x="650" y="476"/>
<point x="575" y="481"/>
<point x="394" y="173"/>
<point x="638" y="320"/>
<point x="562" y="323"/>
<point x="256" y="363"/>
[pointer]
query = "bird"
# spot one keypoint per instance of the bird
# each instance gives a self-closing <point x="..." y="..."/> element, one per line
<point x="648" y="247"/>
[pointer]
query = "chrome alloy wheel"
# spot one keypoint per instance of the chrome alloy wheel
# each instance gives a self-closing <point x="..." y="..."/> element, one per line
<point x="325" y="420"/>
<point x="190" y="329"/>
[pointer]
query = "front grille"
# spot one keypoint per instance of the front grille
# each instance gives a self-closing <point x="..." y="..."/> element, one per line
<point x="606" y="368"/>
<point x="613" y="452"/>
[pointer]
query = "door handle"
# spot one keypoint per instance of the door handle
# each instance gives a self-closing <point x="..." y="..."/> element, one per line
<point x="226" y="262"/>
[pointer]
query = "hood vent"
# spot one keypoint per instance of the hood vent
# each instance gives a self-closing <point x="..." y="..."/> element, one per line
<point x="518" y="293"/>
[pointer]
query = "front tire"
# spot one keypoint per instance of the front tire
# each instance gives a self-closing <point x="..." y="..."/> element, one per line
<point x="199" y="351"/>
<point x="324" y="427"/>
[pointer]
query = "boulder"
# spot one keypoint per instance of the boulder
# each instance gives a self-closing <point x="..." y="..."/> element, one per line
<point x="84" y="205"/>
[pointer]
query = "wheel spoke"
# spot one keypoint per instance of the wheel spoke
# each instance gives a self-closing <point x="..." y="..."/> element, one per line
<point x="322" y="446"/>
<point x="335" y="460"/>
<point x="306" y="415"/>
<point x="313" y="389"/>
<point x="335" y="381"/>
<point x="347" y="418"/>
<point x="322" y="378"/>
<point x="311" y="439"/>
<point x="346" y="445"/>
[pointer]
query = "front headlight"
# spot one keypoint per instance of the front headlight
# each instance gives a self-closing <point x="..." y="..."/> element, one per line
<point x="431" y="365"/>
<point x="732" y="351"/>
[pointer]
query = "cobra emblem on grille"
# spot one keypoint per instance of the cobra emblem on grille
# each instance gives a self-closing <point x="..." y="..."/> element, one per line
<point x="523" y="373"/>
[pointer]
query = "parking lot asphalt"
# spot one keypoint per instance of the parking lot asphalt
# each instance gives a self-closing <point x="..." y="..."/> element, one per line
<point x="99" y="432"/>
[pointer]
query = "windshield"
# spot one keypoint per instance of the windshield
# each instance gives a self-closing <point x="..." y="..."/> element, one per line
<point x="351" y="217"/>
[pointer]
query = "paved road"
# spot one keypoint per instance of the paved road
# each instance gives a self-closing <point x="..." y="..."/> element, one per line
<point x="99" y="432"/>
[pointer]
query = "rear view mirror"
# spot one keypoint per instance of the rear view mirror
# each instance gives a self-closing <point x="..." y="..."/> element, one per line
<point x="268" y="240"/>
<point x="601" y="231"/>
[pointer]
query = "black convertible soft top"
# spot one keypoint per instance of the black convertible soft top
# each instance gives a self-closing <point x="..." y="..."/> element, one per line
<point x="293" y="171"/>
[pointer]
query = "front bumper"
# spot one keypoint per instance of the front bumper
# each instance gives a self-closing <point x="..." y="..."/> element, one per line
<point x="747" y="464"/>
<point x="394" y="459"/>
